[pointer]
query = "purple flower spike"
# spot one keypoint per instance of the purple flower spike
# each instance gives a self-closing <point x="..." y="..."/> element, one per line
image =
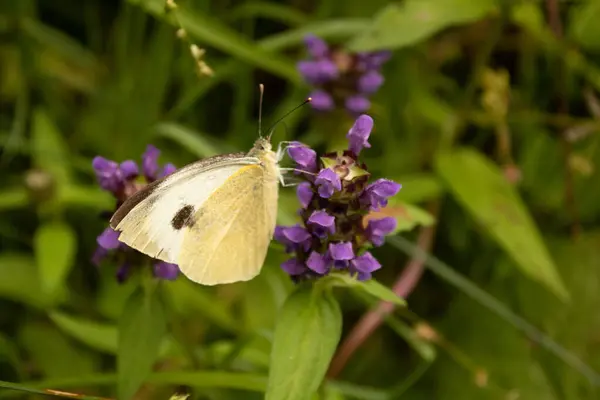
<point x="377" y="229"/>
<point x="358" y="135"/>
<point x="292" y="237"/>
<point x="322" y="224"/>
<point x="370" y="82"/>
<point x="165" y="270"/>
<point x="108" y="174"/>
<point x="316" y="46"/>
<point x="318" y="72"/>
<point x="150" y="162"/>
<point x="364" y="265"/>
<point x="357" y="104"/>
<point x="328" y="182"/>
<point x="321" y="100"/>
<point x="318" y="263"/>
<point x="374" y="60"/>
<point x="293" y="266"/>
<point x="305" y="194"/>
<point x="109" y="239"/>
<point x="303" y="156"/>
<point x="377" y="193"/>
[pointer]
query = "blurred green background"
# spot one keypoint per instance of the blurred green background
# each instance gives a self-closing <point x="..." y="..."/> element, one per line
<point x="489" y="116"/>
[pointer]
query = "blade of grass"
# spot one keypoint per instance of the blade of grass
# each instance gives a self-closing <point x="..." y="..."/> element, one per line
<point x="445" y="272"/>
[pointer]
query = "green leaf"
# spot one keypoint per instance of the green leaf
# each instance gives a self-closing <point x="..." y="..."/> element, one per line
<point x="55" y="246"/>
<point x="99" y="336"/>
<point x="141" y="330"/>
<point x="9" y="353"/>
<point x="407" y="216"/>
<point x="49" y="151"/>
<point x="213" y="33"/>
<point x="583" y="24"/>
<point x="416" y="20"/>
<point x="53" y="353"/>
<point x="370" y="287"/>
<point x="86" y="196"/>
<point x="194" y="141"/>
<point x="418" y="188"/>
<point x="19" y="280"/>
<point x="480" y="187"/>
<point x="306" y="335"/>
<point x="12" y="198"/>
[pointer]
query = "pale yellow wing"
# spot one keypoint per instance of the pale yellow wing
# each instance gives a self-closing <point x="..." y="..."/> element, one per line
<point x="230" y="236"/>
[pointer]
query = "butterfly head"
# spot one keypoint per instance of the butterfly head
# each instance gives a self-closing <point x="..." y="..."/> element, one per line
<point x="261" y="146"/>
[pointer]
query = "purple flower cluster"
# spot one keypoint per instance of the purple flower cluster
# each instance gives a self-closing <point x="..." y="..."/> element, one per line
<point x="340" y="78"/>
<point x="335" y="197"/>
<point x="123" y="180"/>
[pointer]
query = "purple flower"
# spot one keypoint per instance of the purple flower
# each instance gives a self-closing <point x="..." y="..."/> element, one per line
<point x="150" y="162"/>
<point x="377" y="193"/>
<point x="341" y="254"/>
<point x="318" y="72"/>
<point x="293" y="266"/>
<point x="292" y="237"/>
<point x="99" y="254"/>
<point x="377" y="229"/>
<point x="123" y="272"/>
<point x="373" y="60"/>
<point x="165" y="270"/>
<point x="357" y="104"/>
<point x="129" y="169"/>
<point x="322" y="224"/>
<point x="168" y="169"/>
<point x="121" y="181"/>
<point x="316" y="46"/>
<point x="305" y="193"/>
<point x="358" y="135"/>
<point x="328" y="182"/>
<point x="364" y="265"/>
<point x="321" y="100"/>
<point x="109" y="239"/>
<point x="108" y="174"/>
<point x="370" y="82"/>
<point x="303" y="156"/>
<point x="318" y="263"/>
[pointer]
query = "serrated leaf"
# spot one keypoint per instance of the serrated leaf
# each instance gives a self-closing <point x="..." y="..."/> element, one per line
<point x="403" y="25"/>
<point x="99" y="336"/>
<point x="480" y="187"/>
<point x="55" y="246"/>
<point x="141" y="330"/>
<point x="583" y="24"/>
<point x="307" y="332"/>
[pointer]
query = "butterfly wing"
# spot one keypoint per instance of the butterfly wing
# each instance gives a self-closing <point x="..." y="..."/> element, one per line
<point x="230" y="237"/>
<point x="152" y="221"/>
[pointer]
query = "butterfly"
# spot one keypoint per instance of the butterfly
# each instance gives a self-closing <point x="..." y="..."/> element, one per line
<point x="214" y="218"/>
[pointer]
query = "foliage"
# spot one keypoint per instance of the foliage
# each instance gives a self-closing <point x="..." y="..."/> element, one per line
<point x="489" y="117"/>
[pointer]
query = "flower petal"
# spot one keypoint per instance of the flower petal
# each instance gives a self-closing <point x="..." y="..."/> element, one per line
<point x="109" y="239"/>
<point x="341" y="251"/>
<point x="358" y="135"/>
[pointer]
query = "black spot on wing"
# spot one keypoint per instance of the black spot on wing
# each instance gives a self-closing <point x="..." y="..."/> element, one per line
<point x="183" y="217"/>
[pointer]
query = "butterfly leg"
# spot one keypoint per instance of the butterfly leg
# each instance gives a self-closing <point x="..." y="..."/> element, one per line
<point x="282" y="147"/>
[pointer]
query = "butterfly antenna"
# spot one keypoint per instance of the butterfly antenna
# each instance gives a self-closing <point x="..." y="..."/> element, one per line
<point x="261" y="88"/>
<point x="308" y="100"/>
